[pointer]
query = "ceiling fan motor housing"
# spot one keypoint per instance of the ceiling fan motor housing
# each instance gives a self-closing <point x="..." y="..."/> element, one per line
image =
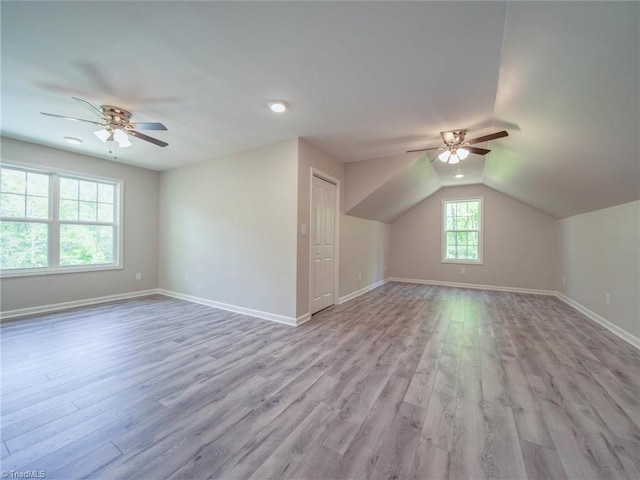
<point x="454" y="137"/>
<point x="116" y="117"/>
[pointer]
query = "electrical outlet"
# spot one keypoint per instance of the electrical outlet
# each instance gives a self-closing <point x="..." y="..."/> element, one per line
<point x="463" y="271"/>
<point x="607" y="298"/>
<point x="360" y="276"/>
<point x="186" y="277"/>
<point x="138" y="276"/>
<point x="303" y="230"/>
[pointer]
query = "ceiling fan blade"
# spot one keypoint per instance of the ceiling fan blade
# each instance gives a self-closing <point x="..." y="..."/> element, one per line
<point x="486" y="138"/>
<point x="73" y="119"/>
<point x="92" y="108"/>
<point x="149" y="126"/>
<point x="425" y="149"/>
<point x="477" y="150"/>
<point x="147" y="138"/>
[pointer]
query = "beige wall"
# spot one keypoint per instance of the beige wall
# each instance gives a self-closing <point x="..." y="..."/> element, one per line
<point x="230" y="224"/>
<point x="520" y="243"/>
<point x="364" y="253"/>
<point x="600" y="255"/>
<point x="140" y="234"/>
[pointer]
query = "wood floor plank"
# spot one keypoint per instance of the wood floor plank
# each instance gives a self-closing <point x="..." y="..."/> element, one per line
<point x="615" y="455"/>
<point x="541" y="462"/>
<point x="92" y="414"/>
<point x="52" y="456"/>
<point x="494" y="382"/>
<point x="267" y="440"/>
<point x="9" y="431"/>
<point x="571" y="443"/>
<point x="170" y="449"/>
<point x="354" y="406"/>
<point x="31" y="448"/>
<point x="320" y="463"/>
<point x="290" y="453"/>
<point x="503" y="457"/>
<point x="358" y="460"/>
<point x="290" y="394"/>
<point x="439" y="423"/>
<point x="430" y="462"/>
<point x="4" y="451"/>
<point x="526" y="412"/>
<point x="419" y="391"/>
<point x="446" y="380"/>
<point x="467" y="456"/>
<point x="87" y="464"/>
<point x="405" y="381"/>
<point x="610" y="464"/>
<point x="470" y="361"/>
<point x="395" y="457"/>
<point x="170" y="420"/>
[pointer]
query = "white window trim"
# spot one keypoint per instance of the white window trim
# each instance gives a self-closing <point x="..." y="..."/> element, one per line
<point x="53" y="221"/>
<point x="443" y="229"/>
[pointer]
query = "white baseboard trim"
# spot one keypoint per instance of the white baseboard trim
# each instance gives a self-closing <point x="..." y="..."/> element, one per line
<point x="613" y="328"/>
<point x="274" y="317"/>
<point x="532" y="291"/>
<point x="303" y="319"/>
<point x="54" y="307"/>
<point x="362" y="291"/>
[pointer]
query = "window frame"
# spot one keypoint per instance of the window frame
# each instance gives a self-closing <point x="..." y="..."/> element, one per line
<point x="480" y="230"/>
<point x="54" y="222"/>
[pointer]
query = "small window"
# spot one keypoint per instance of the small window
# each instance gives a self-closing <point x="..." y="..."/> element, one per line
<point x="462" y="230"/>
<point x="53" y="222"/>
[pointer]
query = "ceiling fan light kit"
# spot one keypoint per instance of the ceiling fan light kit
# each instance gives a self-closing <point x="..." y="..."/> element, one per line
<point x="449" y="157"/>
<point x="453" y="156"/>
<point x="113" y="135"/>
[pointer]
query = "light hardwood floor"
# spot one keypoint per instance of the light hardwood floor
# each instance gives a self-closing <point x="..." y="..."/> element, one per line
<point x="407" y="381"/>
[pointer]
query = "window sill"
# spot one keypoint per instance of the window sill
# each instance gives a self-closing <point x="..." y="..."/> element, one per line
<point x="463" y="262"/>
<point x="33" y="272"/>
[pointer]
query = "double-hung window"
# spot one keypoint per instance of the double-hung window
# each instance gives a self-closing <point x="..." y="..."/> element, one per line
<point x="54" y="221"/>
<point x="462" y="230"/>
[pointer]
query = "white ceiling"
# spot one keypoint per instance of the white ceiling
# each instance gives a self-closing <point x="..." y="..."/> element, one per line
<point x="364" y="80"/>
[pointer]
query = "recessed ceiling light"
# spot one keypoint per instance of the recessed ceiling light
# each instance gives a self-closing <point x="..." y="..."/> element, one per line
<point x="73" y="140"/>
<point x="278" y="106"/>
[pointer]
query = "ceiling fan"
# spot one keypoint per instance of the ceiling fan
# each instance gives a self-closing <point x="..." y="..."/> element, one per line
<point x="456" y="148"/>
<point x="117" y="125"/>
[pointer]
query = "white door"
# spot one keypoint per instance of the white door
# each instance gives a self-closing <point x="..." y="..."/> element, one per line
<point x="323" y="211"/>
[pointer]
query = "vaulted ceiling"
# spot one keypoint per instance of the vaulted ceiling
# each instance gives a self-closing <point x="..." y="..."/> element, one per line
<point x="365" y="80"/>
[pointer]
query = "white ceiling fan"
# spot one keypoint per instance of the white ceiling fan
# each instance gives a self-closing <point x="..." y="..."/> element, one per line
<point x="117" y="125"/>
<point x="456" y="148"/>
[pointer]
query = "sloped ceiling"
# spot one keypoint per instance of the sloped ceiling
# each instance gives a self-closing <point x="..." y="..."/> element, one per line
<point x="570" y="79"/>
<point x="364" y="80"/>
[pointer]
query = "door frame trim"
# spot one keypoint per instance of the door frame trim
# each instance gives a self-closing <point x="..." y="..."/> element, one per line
<point x="336" y="232"/>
